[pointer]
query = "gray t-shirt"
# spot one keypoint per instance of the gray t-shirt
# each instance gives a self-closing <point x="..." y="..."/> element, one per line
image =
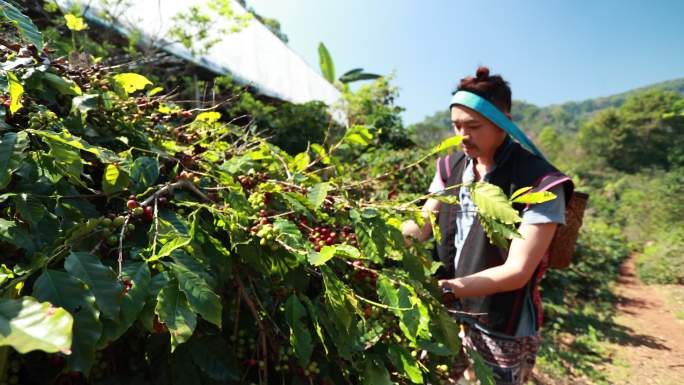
<point x="552" y="211"/>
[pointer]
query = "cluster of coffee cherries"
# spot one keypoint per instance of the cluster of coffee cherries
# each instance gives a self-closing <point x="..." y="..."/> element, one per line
<point x="243" y="345"/>
<point x="259" y="199"/>
<point x="265" y="231"/>
<point x="363" y="274"/>
<point x="100" y="366"/>
<point x="12" y="373"/>
<point x="137" y="210"/>
<point x="42" y="119"/>
<point x="109" y="227"/>
<point x="187" y="175"/>
<point x="248" y="182"/>
<point x="287" y="362"/>
<point x="330" y="235"/>
<point x="145" y="103"/>
<point x="310" y="370"/>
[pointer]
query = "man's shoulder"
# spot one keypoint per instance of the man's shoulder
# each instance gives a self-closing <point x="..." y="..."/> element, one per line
<point x="526" y="168"/>
<point x="529" y="162"/>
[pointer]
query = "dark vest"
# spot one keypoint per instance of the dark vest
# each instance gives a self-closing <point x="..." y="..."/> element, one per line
<point x="515" y="168"/>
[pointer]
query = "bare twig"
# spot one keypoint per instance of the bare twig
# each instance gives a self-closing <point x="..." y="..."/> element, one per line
<point x="121" y="236"/>
<point x="280" y="158"/>
<point x="156" y="227"/>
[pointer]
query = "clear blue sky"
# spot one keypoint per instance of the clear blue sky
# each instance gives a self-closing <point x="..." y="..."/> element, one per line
<point x="550" y="51"/>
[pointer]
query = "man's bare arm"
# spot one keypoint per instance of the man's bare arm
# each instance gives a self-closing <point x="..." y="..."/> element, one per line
<point x="523" y="257"/>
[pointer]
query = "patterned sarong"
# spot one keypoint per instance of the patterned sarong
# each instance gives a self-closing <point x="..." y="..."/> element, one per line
<point x="511" y="359"/>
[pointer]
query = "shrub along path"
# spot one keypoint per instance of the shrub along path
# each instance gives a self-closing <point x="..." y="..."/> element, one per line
<point x="652" y="349"/>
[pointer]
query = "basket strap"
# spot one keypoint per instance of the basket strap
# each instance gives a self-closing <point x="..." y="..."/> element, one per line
<point x="549" y="181"/>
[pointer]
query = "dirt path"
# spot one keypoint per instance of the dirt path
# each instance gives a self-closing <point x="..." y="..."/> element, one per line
<point x="650" y="350"/>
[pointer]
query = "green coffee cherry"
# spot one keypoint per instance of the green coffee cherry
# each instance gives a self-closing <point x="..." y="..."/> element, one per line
<point x="118" y="221"/>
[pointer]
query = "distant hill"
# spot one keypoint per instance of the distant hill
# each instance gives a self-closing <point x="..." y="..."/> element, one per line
<point x="565" y="117"/>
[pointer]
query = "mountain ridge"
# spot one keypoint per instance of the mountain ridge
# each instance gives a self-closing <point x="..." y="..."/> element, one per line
<point x="565" y="117"/>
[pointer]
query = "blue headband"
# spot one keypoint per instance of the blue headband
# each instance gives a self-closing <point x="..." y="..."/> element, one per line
<point x="491" y="112"/>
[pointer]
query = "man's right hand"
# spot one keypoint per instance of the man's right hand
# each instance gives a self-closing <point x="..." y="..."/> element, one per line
<point x="410" y="229"/>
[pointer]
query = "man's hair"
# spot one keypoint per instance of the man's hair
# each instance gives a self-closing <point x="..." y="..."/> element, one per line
<point x="493" y="88"/>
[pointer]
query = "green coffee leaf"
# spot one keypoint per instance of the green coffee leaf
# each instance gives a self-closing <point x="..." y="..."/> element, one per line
<point x="83" y="104"/>
<point x="100" y="278"/>
<point x="7" y="143"/>
<point x="300" y="337"/>
<point x="387" y="293"/>
<point x="62" y="85"/>
<point x="318" y="193"/>
<point x="491" y="202"/>
<point x="16" y="90"/>
<point x="376" y="374"/>
<point x="115" y="179"/>
<point x="25" y="26"/>
<point x="300" y="162"/>
<point x="214" y="357"/>
<point x="453" y="141"/>
<point x="174" y="310"/>
<point x="200" y="296"/>
<point x="483" y="372"/>
<point x="61" y="289"/>
<point x="27" y="325"/>
<point x="144" y="173"/>
<point x="401" y="358"/>
<point x="348" y="251"/>
<point x="66" y="138"/>
<point x="320" y="258"/>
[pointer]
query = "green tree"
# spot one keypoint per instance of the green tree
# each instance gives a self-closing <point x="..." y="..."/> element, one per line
<point x="638" y="134"/>
<point x="373" y="105"/>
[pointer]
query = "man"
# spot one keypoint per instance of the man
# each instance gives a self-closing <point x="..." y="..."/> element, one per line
<point x="495" y="289"/>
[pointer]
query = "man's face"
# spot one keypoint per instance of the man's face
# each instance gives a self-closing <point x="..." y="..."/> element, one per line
<point x="481" y="137"/>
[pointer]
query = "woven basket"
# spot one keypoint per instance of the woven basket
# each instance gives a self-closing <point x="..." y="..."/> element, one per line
<point x="563" y="244"/>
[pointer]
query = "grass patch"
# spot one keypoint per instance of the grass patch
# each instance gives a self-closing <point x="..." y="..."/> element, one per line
<point x="579" y="305"/>
<point x="674" y="299"/>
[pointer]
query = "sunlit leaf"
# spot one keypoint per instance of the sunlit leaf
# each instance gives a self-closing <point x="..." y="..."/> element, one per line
<point x="61" y="289"/>
<point x="535" y="197"/>
<point x="326" y="63"/>
<point x="75" y="23"/>
<point x="208" y="117"/>
<point x="62" y="85"/>
<point x="318" y="193"/>
<point x="115" y="179"/>
<point x="67" y="138"/>
<point x="27" y="325"/>
<point x="447" y="143"/>
<point x="131" y="82"/>
<point x="492" y="202"/>
<point x="320" y="258"/>
<point x="16" y="91"/>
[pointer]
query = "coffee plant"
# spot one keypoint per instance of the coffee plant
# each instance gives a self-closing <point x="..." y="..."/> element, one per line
<point x="143" y="243"/>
